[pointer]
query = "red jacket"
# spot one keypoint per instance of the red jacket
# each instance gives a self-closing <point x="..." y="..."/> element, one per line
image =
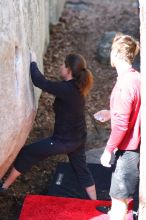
<point x="125" y="112"/>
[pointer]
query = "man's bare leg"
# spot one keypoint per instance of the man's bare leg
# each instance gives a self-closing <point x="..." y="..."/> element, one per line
<point x="118" y="209"/>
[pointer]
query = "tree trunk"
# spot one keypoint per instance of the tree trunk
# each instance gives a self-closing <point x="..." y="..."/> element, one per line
<point x="142" y="190"/>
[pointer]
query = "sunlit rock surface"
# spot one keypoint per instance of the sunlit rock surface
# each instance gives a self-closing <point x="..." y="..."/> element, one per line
<point x="24" y="25"/>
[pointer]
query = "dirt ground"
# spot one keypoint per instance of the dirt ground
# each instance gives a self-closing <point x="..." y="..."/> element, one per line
<point x="79" y="30"/>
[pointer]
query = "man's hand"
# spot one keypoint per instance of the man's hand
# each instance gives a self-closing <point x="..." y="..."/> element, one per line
<point x="106" y="158"/>
<point x="103" y="115"/>
<point x="33" y="57"/>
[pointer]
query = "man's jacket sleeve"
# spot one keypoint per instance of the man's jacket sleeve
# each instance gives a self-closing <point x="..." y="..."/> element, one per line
<point x="120" y="116"/>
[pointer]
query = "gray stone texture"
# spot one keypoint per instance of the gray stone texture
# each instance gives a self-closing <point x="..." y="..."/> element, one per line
<point x="24" y="24"/>
<point x="56" y="8"/>
<point x="104" y="47"/>
<point x="94" y="155"/>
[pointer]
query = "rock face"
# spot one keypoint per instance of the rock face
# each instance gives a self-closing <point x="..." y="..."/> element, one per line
<point x="23" y="25"/>
<point x="104" y="47"/>
<point x="56" y="8"/>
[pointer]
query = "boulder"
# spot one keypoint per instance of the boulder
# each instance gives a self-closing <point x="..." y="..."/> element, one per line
<point x="24" y="24"/>
<point x="56" y="8"/>
<point x="104" y="47"/>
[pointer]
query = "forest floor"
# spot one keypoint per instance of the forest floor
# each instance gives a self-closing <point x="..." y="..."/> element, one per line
<point x="79" y="30"/>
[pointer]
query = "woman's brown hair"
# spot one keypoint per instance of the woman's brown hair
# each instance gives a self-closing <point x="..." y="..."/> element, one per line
<point x="82" y="76"/>
<point x="126" y="47"/>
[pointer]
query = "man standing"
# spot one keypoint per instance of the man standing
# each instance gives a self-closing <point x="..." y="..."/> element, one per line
<point x="125" y="125"/>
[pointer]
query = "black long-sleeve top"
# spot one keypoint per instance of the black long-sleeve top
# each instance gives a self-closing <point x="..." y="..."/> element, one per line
<point x="69" y="105"/>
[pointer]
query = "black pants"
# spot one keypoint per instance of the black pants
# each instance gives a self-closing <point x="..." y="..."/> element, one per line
<point x="35" y="152"/>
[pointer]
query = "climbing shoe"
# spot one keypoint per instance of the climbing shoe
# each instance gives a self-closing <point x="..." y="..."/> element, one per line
<point x="135" y="215"/>
<point x="2" y="190"/>
<point x="104" y="209"/>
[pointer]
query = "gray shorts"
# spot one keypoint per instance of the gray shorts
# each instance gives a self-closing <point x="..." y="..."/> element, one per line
<point x="125" y="176"/>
